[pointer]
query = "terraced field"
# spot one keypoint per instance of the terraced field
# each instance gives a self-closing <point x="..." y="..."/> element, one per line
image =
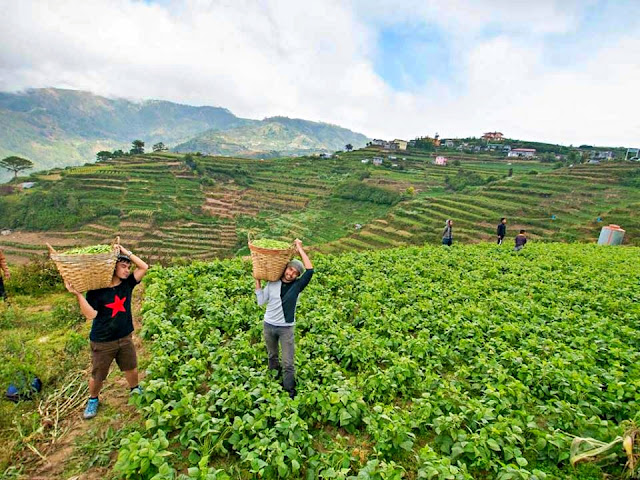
<point x="165" y="209"/>
<point x="576" y="197"/>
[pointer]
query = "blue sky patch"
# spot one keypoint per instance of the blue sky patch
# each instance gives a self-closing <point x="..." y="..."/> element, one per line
<point x="408" y="57"/>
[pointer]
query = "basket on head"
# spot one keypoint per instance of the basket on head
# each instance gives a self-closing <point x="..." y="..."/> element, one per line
<point x="87" y="271"/>
<point x="269" y="264"/>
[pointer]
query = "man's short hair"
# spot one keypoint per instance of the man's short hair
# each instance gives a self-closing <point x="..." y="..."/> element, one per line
<point x="523" y="231"/>
<point x="123" y="258"/>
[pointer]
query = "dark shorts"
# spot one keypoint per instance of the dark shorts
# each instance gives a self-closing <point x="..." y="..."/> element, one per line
<point x="103" y="354"/>
<point x="447" y="241"/>
<point x="3" y="294"/>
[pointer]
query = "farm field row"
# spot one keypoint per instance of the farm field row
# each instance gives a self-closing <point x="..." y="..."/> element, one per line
<point x="469" y="362"/>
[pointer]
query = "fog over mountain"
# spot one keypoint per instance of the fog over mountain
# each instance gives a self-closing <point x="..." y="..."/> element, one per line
<point x="56" y="127"/>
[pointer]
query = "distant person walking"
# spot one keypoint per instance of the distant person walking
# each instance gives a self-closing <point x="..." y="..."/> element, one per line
<point x="281" y="298"/>
<point x="521" y="240"/>
<point x="447" y="234"/>
<point x="502" y="230"/>
<point x="112" y="328"/>
<point x="6" y="274"/>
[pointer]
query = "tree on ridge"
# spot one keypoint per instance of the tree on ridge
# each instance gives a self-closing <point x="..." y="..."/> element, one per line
<point x="16" y="164"/>
<point x="137" y="147"/>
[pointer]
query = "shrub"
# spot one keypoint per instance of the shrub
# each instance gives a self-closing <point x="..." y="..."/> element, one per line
<point x="465" y="179"/>
<point x="355" y="190"/>
<point x="35" y="278"/>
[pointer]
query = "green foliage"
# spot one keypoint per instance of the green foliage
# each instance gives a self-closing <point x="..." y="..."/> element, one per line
<point x="91" y="249"/>
<point x="137" y="147"/>
<point x="103" y="155"/>
<point x="466" y="178"/>
<point x="42" y="335"/>
<point x="424" y="144"/>
<point x="461" y="363"/>
<point x="363" y="192"/>
<point x="95" y="450"/>
<point x="632" y="179"/>
<point x="271" y="244"/>
<point x="37" y="277"/>
<point x="53" y="207"/>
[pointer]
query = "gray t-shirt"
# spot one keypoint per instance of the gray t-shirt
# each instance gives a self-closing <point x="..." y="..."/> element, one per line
<point x="281" y="299"/>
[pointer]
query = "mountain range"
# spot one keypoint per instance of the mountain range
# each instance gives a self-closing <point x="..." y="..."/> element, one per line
<point x="56" y="128"/>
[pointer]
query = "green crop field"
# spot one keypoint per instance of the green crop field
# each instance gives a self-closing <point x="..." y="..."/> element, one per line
<point x="414" y="361"/>
<point x="470" y="362"/>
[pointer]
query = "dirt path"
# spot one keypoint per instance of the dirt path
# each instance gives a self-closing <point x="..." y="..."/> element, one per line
<point x="115" y="413"/>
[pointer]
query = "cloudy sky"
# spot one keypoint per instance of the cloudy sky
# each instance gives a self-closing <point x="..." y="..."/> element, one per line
<point x="561" y="71"/>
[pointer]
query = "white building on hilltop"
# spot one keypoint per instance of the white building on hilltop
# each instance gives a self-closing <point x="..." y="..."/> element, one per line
<point x="522" y="152"/>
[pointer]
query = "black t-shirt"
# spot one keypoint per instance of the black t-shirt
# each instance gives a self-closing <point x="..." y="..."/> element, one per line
<point x="289" y="294"/>
<point x="113" y="304"/>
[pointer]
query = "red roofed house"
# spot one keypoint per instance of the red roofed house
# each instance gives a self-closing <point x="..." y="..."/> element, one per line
<point x="522" y="152"/>
<point x="494" y="136"/>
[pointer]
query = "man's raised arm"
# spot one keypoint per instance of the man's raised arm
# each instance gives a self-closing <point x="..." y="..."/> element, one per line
<point x="141" y="265"/>
<point x="87" y="310"/>
<point x="303" y="255"/>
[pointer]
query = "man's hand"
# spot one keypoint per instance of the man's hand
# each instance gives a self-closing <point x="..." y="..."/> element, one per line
<point x="124" y="251"/>
<point x="258" y="285"/>
<point x="298" y="244"/>
<point x="7" y="275"/>
<point x="71" y="289"/>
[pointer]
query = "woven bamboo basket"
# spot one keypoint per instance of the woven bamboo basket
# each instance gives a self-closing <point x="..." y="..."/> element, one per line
<point x="87" y="271"/>
<point x="269" y="264"/>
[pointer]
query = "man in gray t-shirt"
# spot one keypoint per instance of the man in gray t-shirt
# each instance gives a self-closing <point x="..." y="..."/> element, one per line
<point x="281" y="298"/>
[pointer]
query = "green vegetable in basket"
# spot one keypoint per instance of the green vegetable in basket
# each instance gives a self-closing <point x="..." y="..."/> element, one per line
<point x="89" y="250"/>
<point x="271" y="244"/>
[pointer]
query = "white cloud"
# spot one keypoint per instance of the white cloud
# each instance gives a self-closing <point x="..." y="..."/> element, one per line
<point x="315" y="60"/>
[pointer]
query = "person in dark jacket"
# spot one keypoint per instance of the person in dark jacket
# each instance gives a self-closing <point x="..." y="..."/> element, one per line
<point x="521" y="240"/>
<point x="447" y="234"/>
<point x="502" y="230"/>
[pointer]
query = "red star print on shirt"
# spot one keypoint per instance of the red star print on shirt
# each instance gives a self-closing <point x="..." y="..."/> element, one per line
<point x="117" y="306"/>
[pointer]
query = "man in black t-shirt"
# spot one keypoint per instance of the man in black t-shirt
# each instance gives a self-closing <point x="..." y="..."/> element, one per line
<point x="112" y="328"/>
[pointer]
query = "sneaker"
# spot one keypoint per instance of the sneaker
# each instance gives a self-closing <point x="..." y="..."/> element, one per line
<point x="92" y="408"/>
<point x="135" y="391"/>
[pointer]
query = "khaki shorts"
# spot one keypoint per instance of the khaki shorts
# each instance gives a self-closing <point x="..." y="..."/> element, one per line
<point x="103" y="354"/>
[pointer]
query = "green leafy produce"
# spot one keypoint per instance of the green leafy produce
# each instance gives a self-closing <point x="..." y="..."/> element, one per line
<point x="427" y="363"/>
<point x="89" y="249"/>
<point x="271" y="244"/>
